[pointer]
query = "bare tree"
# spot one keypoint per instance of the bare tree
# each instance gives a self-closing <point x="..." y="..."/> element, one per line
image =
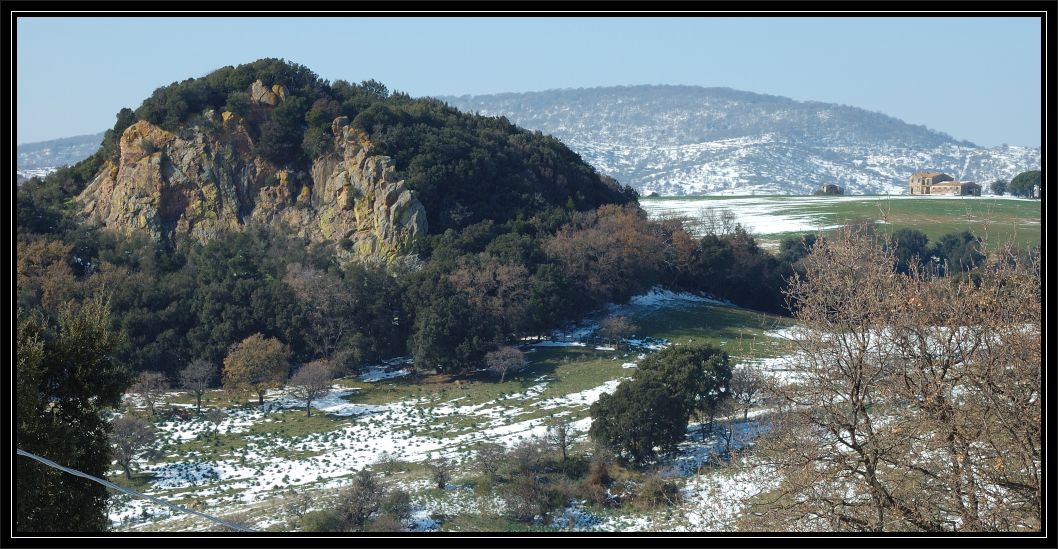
<point x="329" y="308"/>
<point x="128" y="436"/>
<point x="561" y="434"/>
<point x="311" y="381"/>
<point x="197" y="378"/>
<point x="505" y="360"/>
<point x="295" y="506"/>
<point x="614" y="328"/>
<point x="728" y="407"/>
<point x="717" y="222"/>
<point x="440" y="471"/>
<point x="746" y="387"/>
<point x="359" y="501"/>
<point x="150" y="387"/>
<point x="215" y="416"/>
<point x="916" y="402"/>
<point x="490" y="457"/>
<point x="526" y="455"/>
<point x="526" y="497"/>
<point x="495" y="287"/>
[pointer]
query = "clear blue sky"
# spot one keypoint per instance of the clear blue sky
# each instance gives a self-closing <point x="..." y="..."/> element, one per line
<point x="976" y="79"/>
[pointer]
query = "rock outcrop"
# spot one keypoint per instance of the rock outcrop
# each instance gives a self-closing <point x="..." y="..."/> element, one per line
<point x="207" y="179"/>
<point x="261" y="94"/>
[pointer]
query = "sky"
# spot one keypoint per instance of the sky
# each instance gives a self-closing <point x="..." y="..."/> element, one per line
<point x="977" y="79"/>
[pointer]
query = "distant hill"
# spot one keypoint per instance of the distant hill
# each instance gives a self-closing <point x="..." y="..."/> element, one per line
<point x="38" y="158"/>
<point x="689" y="140"/>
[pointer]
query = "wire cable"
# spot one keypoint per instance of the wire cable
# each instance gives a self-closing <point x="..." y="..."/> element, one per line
<point x="113" y="486"/>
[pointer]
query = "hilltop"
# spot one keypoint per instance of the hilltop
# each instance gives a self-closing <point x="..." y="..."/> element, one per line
<point x="690" y="140"/>
<point x="349" y="164"/>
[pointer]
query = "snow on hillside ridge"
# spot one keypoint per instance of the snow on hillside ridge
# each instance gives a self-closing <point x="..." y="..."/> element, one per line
<point x="658" y="297"/>
<point x="689" y="140"/>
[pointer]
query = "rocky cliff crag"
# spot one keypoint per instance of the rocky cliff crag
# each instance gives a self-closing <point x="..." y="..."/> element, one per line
<point x="206" y="178"/>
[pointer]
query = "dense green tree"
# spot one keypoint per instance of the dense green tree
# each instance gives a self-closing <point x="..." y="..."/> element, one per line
<point x="652" y="409"/>
<point x="957" y="252"/>
<point x="697" y="374"/>
<point x="999" y="187"/>
<point x="449" y="334"/>
<point x="908" y="244"/>
<point x="793" y="248"/>
<point x="639" y="418"/>
<point x="1024" y="183"/>
<point x="67" y="379"/>
<point x="735" y="267"/>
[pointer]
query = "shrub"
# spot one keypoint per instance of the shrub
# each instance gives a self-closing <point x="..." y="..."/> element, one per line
<point x="526" y="497"/>
<point x="656" y="492"/>
<point x="385" y="523"/>
<point x="397" y="504"/>
<point x="319" y="521"/>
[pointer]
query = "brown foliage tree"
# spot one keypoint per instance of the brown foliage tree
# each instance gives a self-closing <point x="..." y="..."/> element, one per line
<point x="499" y="289"/>
<point x="256" y="363"/>
<point x="44" y="274"/>
<point x="612" y="251"/>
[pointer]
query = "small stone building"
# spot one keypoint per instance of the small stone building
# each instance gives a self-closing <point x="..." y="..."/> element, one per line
<point x="937" y="183"/>
<point x="829" y="189"/>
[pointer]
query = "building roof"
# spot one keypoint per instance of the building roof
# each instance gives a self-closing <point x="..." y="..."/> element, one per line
<point x="927" y="173"/>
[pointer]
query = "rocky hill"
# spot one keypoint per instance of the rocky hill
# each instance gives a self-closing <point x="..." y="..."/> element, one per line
<point x="207" y="180"/>
<point x="688" y="140"/>
<point x="351" y="165"/>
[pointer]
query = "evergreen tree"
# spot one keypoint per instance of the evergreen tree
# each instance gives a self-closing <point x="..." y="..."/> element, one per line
<point x="638" y="418"/>
<point x="67" y="379"/>
<point x="1024" y="183"/>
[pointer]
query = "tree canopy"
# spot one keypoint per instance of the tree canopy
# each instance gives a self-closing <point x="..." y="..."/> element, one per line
<point x="257" y="363"/>
<point x="67" y="377"/>
<point x="650" y="412"/>
<point x="1024" y="183"/>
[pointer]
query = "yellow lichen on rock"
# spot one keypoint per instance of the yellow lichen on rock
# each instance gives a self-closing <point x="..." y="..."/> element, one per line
<point x="209" y="178"/>
<point x="279" y="91"/>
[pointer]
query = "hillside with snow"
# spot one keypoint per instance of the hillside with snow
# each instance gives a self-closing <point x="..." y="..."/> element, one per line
<point x="689" y="140"/>
<point x="41" y="158"/>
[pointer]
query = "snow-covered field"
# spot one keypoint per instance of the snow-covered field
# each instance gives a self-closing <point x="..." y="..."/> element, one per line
<point x="416" y="428"/>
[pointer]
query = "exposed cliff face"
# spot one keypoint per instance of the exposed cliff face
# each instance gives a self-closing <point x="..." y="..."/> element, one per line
<point x="207" y="179"/>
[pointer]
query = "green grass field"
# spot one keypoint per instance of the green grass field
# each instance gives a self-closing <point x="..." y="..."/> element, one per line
<point x="997" y="219"/>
